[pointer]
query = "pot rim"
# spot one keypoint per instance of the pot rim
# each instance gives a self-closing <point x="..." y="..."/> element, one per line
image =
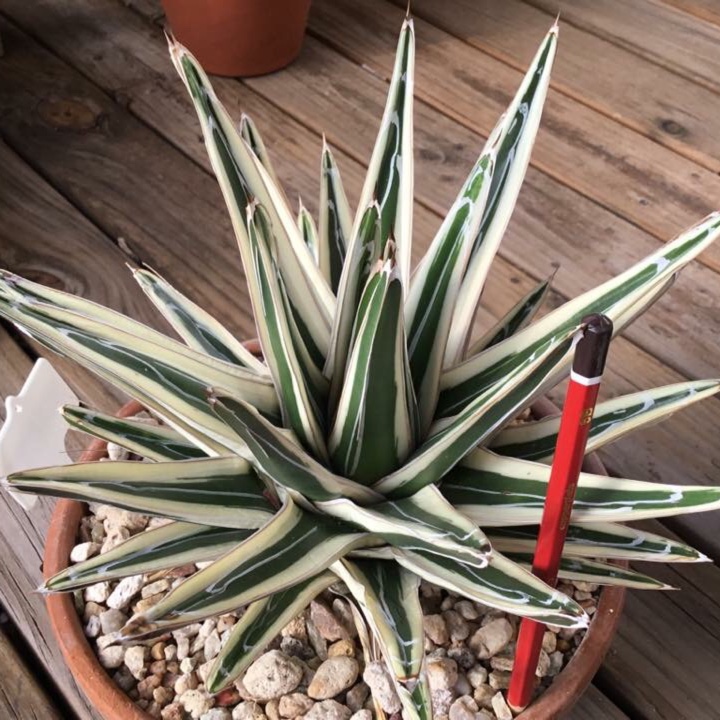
<point x="114" y="704"/>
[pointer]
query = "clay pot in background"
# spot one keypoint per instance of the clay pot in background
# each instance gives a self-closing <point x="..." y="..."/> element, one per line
<point x="239" y="37"/>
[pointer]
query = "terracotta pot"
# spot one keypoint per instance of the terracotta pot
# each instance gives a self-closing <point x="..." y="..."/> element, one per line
<point x="239" y="37"/>
<point x="113" y="704"/>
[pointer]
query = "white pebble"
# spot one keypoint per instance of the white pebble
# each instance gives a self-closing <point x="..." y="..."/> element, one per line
<point x="83" y="551"/>
<point x="248" y="710"/>
<point x="112" y="620"/>
<point x="97" y="593"/>
<point x="363" y="714"/>
<point x="217" y="714"/>
<point x="195" y="702"/>
<point x="272" y="675"/>
<point x="187" y="665"/>
<point x="382" y="686"/>
<point x="115" y="452"/>
<point x="135" y="660"/>
<point x="111" y="657"/>
<point x="500" y="706"/>
<point x="154" y="588"/>
<point x="477" y="675"/>
<point x="212" y="645"/>
<point x="93" y="627"/>
<point x="490" y="639"/>
<point x="125" y="591"/>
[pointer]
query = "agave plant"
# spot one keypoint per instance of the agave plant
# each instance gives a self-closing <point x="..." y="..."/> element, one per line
<point x="372" y="444"/>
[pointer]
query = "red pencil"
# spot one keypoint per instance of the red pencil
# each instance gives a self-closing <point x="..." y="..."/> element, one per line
<point x="588" y="365"/>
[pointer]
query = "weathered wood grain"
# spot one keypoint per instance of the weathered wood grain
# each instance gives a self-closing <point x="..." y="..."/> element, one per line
<point x="663" y="662"/>
<point x="707" y="10"/>
<point x="617" y="167"/>
<point x="21" y="697"/>
<point x="126" y="179"/>
<point x="648" y="692"/>
<point x="626" y="87"/>
<point x="43" y="238"/>
<point x="669" y="38"/>
<point x="123" y="58"/>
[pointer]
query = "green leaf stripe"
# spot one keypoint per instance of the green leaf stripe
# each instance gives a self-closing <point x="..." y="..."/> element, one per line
<point x="501" y="584"/>
<point x="335" y="220"/>
<point x="309" y="232"/>
<point x="213" y="491"/>
<point x="612" y="420"/>
<point x="195" y="326"/>
<point x="425" y="520"/>
<point x="259" y="624"/>
<point x="363" y="254"/>
<point x="169" y="546"/>
<point x="375" y="423"/>
<point x="436" y="284"/>
<point x="516" y="130"/>
<point x="516" y="319"/>
<point x="389" y="178"/>
<point x="294" y="546"/>
<point x="478" y="420"/>
<point x="243" y="178"/>
<point x="284" y="461"/>
<point x="590" y="571"/>
<point x="388" y="598"/>
<point x="299" y="411"/>
<point x="617" y="298"/>
<point x="495" y="491"/>
<point x="168" y="378"/>
<point x="151" y="441"/>
<point x="602" y="541"/>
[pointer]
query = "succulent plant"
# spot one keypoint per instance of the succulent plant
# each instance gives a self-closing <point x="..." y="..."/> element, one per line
<point x="372" y="444"/>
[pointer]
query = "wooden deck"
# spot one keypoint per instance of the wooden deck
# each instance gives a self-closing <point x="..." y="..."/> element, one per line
<point x="101" y="151"/>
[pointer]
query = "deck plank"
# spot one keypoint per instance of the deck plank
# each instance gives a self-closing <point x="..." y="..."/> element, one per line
<point x="707" y="10"/>
<point x="45" y="239"/>
<point x="620" y="169"/>
<point x="663" y="661"/>
<point x="151" y="91"/>
<point x="670" y="38"/>
<point x="21" y="697"/>
<point x="624" y="86"/>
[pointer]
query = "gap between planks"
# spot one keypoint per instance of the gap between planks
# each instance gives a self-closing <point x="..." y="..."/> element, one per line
<point x="707" y="10"/>
<point x="684" y="309"/>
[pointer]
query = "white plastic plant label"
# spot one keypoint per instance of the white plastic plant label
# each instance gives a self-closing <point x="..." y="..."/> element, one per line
<point x="33" y="434"/>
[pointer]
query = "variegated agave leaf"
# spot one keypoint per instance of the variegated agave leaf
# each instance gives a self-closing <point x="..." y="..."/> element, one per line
<point x="151" y="441"/>
<point x="517" y="129"/>
<point x="612" y="420"/>
<point x="260" y="623"/>
<point x="335" y="226"/>
<point x="371" y="444"/>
